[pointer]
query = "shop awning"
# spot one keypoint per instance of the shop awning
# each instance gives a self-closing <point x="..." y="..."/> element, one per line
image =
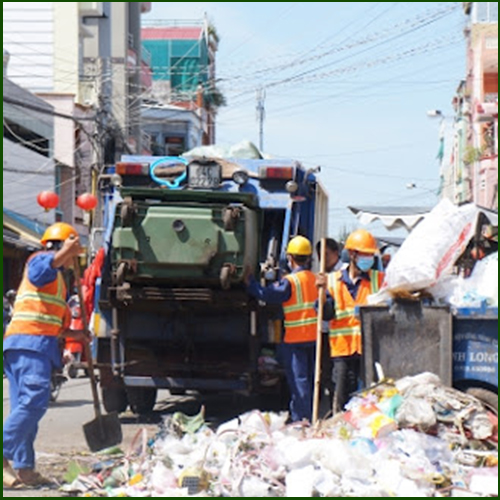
<point x="391" y="217"/>
<point x="405" y="217"/>
<point x="21" y="231"/>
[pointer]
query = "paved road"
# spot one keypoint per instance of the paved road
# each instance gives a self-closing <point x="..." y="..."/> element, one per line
<point x="61" y="440"/>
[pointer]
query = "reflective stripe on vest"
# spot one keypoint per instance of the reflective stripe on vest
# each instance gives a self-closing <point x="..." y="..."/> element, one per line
<point x="345" y="328"/>
<point x="39" y="311"/>
<point x="300" y="315"/>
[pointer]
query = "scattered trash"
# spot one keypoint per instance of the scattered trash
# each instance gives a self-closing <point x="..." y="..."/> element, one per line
<point x="74" y="470"/>
<point x="409" y="438"/>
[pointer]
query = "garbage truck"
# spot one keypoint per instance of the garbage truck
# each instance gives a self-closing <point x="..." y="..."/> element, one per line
<point x="170" y="307"/>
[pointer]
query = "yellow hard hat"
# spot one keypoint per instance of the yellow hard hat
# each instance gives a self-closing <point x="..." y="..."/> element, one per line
<point x="59" y="231"/>
<point x="299" y="246"/>
<point x="361" y="241"/>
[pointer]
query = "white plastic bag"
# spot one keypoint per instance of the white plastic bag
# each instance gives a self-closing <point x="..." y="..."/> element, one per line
<point x="430" y="251"/>
<point x="480" y="287"/>
<point x="484" y="279"/>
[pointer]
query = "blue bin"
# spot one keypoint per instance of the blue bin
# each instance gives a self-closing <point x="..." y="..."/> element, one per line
<point x="475" y="347"/>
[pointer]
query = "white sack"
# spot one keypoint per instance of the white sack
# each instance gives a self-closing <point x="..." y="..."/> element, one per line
<point x="429" y="253"/>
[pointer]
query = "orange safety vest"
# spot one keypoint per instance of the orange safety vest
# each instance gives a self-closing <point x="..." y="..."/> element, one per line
<point x="345" y="328"/>
<point x="300" y="315"/>
<point x="40" y="311"/>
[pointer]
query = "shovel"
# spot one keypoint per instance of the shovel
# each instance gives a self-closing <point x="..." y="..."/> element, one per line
<point x="104" y="431"/>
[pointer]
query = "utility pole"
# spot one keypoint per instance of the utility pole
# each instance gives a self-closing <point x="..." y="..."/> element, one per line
<point x="261" y="114"/>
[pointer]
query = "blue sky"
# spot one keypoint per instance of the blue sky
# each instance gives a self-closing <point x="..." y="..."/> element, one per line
<point x="348" y="87"/>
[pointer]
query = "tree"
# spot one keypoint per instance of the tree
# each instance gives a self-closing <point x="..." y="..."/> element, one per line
<point x="344" y="232"/>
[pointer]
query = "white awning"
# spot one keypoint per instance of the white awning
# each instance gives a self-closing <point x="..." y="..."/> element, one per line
<point x="391" y="217"/>
<point x="405" y="217"/>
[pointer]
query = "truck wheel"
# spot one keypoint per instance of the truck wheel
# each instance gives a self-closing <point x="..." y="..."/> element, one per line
<point x="142" y="399"/>
<point x="488" y="398"/>
<point x="114" y="399"/>
<point x="72" y="371"/>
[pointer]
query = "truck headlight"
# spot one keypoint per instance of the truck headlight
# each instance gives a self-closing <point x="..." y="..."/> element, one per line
<point x="291" y="187"/>
<point x="116" y="180"/>
<point x="240" y="177"/>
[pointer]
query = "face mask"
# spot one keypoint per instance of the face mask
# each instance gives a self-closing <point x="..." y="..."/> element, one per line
<point x="365" y="263"/>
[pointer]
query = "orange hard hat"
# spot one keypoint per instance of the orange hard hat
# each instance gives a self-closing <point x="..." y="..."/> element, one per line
<point x="60" y="231"/>
<point x="361" y="241"/>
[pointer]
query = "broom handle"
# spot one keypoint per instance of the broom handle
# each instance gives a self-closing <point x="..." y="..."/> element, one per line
<point x="88" y="352"/>
<point x="319" y="336"/>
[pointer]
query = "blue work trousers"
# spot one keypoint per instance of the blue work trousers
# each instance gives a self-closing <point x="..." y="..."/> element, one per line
<point x="299" y="361"/>
<point x="29" y="375"/>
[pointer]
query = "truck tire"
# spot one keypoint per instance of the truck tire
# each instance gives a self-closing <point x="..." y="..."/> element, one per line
<point x="142" y="399"/>
<point x="488" y="398"/>
<point x="114" y="399"/>
<point x="72" y="371"/>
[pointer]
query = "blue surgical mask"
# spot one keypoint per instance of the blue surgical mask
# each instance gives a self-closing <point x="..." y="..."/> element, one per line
<point x="365" y="263"/>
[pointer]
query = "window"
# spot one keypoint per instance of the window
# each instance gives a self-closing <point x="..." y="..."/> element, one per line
<point x="485" y="12"/>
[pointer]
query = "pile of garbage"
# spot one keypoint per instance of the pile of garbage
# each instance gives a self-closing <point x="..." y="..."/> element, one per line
<point x="431" y="260"/>
<point x="410" y="438"/>
<point x="479" y="289"/>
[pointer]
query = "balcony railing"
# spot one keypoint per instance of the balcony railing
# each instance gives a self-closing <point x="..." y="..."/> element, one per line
<point x="172" y="23"/>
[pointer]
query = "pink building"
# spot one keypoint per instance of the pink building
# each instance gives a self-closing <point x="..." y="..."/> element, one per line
<point x="480" y="97"/>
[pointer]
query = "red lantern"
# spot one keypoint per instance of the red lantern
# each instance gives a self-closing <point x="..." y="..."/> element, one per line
<point x="86" y="201"/>
<point x="47" y="200"/>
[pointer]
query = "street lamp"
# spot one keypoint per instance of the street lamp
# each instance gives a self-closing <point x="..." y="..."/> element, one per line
<point x="433" y="113"/>
<point x="414" y="185"/>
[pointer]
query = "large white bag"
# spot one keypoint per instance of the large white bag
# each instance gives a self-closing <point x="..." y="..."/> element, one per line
<point x="429" y="252"/>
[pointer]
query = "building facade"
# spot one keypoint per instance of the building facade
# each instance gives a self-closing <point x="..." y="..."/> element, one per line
<point x="28" y="168"/>
<point x="473" y="170"/>
<point x="84" y="58"/>
<point x="183" y="65"/>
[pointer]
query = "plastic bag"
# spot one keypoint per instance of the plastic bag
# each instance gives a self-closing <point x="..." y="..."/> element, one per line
<point x="431" y="249"/>
<point x="300" y="482"/>
<point x="479" y="288"/>
<point x="416" y="412"/>
<point x="484" y="279"/>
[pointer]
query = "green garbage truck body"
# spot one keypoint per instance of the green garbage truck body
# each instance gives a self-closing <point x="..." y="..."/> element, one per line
<point x="171" y="307"/>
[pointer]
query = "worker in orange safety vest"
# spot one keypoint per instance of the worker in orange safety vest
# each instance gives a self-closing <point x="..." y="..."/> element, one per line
<point x="348" y="289"/>
<point x="31" y="350"/>
<point x="297" y="293"/>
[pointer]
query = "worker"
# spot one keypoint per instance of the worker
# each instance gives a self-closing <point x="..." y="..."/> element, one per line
<point x="31" y="350"/>
<point x="333" y="262"/>
<point x="332" y="255"/>
<point x="297" y="293"/>
<point x="346" y="290"/>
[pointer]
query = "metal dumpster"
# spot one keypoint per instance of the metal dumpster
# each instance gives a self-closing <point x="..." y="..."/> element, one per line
<point x="406" y="338"/>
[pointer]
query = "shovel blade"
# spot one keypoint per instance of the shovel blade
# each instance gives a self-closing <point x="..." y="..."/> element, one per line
<point x="103" y="432"/>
